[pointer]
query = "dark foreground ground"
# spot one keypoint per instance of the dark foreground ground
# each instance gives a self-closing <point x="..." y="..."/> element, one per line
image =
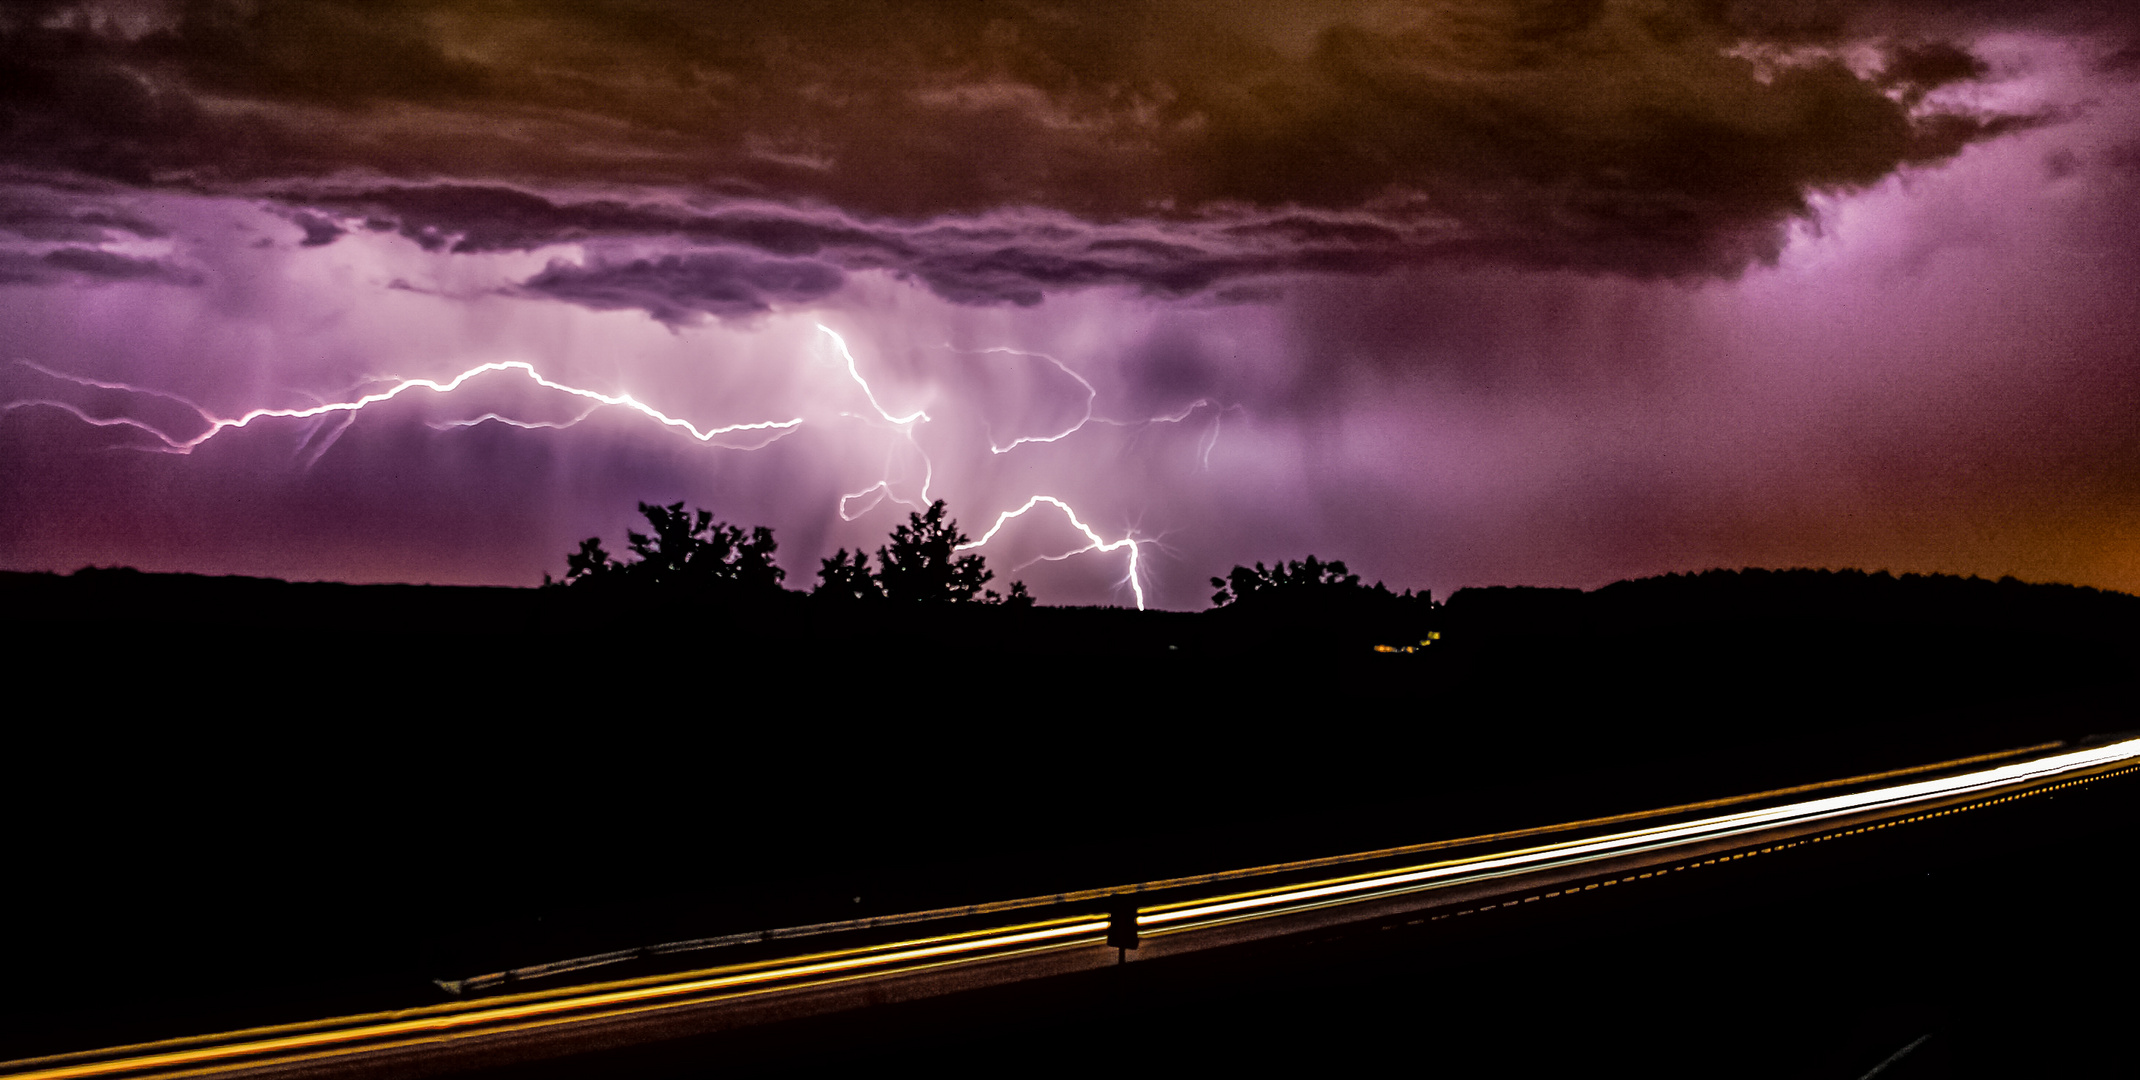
<point x="261" y="802"/>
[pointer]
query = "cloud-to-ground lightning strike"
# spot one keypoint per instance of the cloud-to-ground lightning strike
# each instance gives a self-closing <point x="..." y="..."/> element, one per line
<point x="882" y="489"/>
<point x="217" y="425"/>
<point x="905" y="424"/>
<point x="1097" y="544"/>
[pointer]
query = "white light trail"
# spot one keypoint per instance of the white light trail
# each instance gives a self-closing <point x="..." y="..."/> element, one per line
<point x="606" y="1003"/>
<point x="1644" y="839"/>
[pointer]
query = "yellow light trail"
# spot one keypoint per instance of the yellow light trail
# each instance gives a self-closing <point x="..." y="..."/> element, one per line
<point x="564" y="1005"/>
<point x="446" y="1019"/>
<point x="1085" y="895"/>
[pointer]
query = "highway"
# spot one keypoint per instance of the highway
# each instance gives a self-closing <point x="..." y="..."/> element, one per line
<point x="803" y="971"/>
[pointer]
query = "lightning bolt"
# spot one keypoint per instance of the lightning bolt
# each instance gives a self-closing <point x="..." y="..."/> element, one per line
<point x="1205" y="443"/>
<point x="840" y="343"/>
<point x="882" y="489"/>
<point x="339" y="415"/>
<point x="876" y="493"/>
<point x="1091" y="395"/>
<point x="94" y="421"/>
<point x="524" y="425"/>
<point x="218" y="425"/>
<point x="1136" y="585"/>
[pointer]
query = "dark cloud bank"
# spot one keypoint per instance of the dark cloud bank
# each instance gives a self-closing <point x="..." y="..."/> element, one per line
<point x="1169" y="147"/>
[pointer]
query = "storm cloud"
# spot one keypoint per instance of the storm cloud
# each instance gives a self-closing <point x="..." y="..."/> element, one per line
<point x="88" y="264"/>
<point x="678" y="289"/>
<point x="1649" y="139"/>
<point x="1460" y="291"/>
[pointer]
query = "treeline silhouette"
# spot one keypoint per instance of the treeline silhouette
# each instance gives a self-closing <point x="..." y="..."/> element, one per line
<point x="692" y="555"/>
<point x="1805" y="598"/>
<point x="690" y="565"/>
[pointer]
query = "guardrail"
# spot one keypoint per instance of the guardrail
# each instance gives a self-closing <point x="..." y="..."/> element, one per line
<point x="519" y="975"/>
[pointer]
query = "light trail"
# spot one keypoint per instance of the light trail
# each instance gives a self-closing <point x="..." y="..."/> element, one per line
<point x="445" y="1019"/>
<point x="1299" y="897"/>
<point x="1076" y="940"/>
<point x="218" y="425"/>
<point x="459" y="986"/>
<point x="1097" y="544"/>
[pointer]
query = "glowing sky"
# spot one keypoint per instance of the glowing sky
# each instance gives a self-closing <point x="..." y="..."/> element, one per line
<point x="1460" y="293"/>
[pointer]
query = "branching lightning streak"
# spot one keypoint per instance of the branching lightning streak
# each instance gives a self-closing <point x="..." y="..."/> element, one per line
<point x="1091" y="395"/>
<point x="341" y="414"/>
<point x="1204" y="444"/>
<point x="94" y="421"/>
<point x="841" y="343"/>
<point x="882" y="489"/>
<point x="525" y="425"/>
<point x="1203" y="456"/>
<point x="320" y="444"/>
<point x="217" y="425"/>
<point x="1097" y="544"/>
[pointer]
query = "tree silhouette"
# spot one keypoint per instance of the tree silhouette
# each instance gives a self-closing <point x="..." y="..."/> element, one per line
<point x="839" y="579"/>
<point x="1310" y="600"/>
<point x="589" y="563"/>
<point x="689" y="550"/>
<point x="1297" y="578"/>
<point x="921" y="562"/>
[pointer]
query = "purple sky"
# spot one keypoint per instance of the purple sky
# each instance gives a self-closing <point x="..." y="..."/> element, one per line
<point x="1460" y="293"/>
